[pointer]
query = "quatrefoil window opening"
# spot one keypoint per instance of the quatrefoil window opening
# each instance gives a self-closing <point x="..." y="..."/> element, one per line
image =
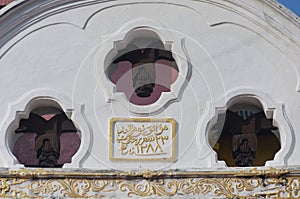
<point x="247" y="138"/>
<point x="49" y="139"/>
<point x="142" y="74"/>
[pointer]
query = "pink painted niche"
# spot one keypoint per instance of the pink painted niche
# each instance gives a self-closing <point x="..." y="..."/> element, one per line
<point x="28" y="150"/>
<point x="160" y="73"/>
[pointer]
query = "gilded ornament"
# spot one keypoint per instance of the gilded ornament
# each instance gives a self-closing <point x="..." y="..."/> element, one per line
<point x="38" y="183"/>
<point x="263" y="172"/>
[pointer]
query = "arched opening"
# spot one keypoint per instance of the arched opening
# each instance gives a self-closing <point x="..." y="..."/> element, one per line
<point x="46" y="138"/>
<point x="143" y="69"/>
<point x="247" y="137"/>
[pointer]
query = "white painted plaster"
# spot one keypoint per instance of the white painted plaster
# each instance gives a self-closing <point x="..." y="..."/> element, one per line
<point x="224" y="49"/>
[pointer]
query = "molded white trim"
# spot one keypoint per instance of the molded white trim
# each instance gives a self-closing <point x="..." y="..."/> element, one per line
<point x="21" y="108"/>
<point x="271" y="109"/>
<point x="117" y="41"/>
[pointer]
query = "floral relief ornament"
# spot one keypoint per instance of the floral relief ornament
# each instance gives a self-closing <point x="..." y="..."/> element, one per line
<point x="230" y="184"/>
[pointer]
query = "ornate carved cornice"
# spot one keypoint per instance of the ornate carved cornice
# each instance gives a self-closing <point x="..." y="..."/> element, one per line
<point x="40" y="183"/>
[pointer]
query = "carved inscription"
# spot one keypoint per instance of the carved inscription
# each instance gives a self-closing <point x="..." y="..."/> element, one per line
<point x="142" y="139"/>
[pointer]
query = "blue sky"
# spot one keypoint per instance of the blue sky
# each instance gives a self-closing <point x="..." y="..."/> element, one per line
<point x="293" y="5"/>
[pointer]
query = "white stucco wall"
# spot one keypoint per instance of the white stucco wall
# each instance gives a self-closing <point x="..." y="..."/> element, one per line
<point x="225" y="49"/>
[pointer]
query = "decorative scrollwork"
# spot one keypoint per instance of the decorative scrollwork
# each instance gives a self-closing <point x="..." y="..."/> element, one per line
<point x="72" y="188"/>
<point x="36" y="184"/>
<point x="149" y="188"/>
<point x="6" y="190"/>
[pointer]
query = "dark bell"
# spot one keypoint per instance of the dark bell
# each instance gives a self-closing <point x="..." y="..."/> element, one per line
<point x="145" y="90"/>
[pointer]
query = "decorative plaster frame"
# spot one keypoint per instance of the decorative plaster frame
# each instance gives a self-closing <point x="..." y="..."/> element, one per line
<point x="173" y="138"/>
<point x="21" y="108"/>
<point x="244" y="183"/>
<point x="272" y="110"/>
<point x="119" y="41"/>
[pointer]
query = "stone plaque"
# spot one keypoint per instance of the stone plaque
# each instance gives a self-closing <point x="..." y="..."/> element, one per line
<point x="142" y="139"/>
